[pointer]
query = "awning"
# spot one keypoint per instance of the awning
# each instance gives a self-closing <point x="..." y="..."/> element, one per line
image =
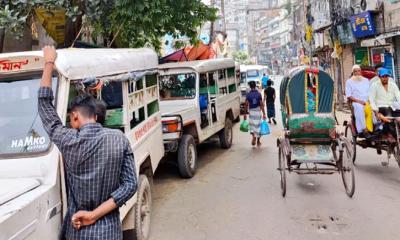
<point x="174" y="57"/>
<point x="388" y="35"/>
<point x="191" y="53"/>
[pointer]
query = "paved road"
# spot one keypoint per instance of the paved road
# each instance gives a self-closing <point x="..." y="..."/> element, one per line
<point x="235" y="195"/>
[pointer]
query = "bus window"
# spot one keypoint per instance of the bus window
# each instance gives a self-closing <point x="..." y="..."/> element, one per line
<point x="138" y="116"/>
<point x="231" y="72"/>
<point x="151" y="80"/>
<point x="212" y="83"/>
<point x="222" y="82"/>
<point x="152" y="108"/>
<point x="221" y="75"/>
<point x="178" y="86"/>
<point x="112" y="95"/>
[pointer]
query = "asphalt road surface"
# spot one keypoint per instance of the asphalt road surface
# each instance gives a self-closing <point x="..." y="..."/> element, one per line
<point x="235" y="195"/>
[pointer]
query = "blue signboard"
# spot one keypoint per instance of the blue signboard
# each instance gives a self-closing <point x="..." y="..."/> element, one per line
<point x="363" y="25"/>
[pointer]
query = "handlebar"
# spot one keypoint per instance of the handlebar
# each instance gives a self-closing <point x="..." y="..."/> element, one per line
<point x="393" y="118"/>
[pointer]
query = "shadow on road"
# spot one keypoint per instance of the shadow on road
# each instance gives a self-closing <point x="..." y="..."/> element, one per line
<point x="389" y="173"/>
<point x="207" y="152"/>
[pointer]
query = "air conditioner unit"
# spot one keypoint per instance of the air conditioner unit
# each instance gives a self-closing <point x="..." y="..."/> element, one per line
<point x="358" y="6"/>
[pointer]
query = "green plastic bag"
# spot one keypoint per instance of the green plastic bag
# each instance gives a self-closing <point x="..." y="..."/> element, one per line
<point x="244" y="126"/>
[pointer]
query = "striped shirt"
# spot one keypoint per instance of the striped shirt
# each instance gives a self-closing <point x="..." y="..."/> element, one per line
<point x="99" y="165"/>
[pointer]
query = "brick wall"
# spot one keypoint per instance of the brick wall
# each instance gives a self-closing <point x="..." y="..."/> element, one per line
<point x="347" y="62"/>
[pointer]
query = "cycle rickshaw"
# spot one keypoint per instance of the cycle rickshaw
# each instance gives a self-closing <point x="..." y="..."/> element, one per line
<point x="311" y="144"/>
<point x="378" y="140"/>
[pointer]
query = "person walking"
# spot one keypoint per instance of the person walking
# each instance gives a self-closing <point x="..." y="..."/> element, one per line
<point x="269" y="96"/>
<point x="99" y="163"/>
<point x="255" y="107"/>
<point x="265" y="80"/>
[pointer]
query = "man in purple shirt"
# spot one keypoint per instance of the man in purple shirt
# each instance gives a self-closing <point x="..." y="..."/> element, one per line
<point x="255" y="106"/>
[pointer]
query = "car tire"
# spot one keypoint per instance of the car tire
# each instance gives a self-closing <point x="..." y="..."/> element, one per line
<point x="143" y="209"/>
<point x="226" y="134"/>
<point x="187" y="156"/>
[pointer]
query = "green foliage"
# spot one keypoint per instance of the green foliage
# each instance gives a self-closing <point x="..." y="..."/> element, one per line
<point x="241" y="57"/>
<point x="145" y="22"/>
<point x="133" y="23"/>
<point x="16" y="14"/>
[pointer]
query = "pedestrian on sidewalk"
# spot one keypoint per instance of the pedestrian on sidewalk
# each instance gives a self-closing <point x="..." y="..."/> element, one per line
<point x="99" y="163"/>
<point x="255" y="106"/>
<point x="269" y="96"/>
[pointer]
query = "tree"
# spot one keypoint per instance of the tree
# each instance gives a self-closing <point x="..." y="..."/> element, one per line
<point x="16" y="15"/>
<point x="241" y="57"/>
<point x="126" y="23"/>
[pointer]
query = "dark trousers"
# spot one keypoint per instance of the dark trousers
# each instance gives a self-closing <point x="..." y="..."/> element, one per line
<point x="389" y="127"/>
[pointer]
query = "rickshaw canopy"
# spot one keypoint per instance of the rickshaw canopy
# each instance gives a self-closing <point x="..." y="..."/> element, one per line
<point x="307" y="99"/>
<point x="294" y="87"/>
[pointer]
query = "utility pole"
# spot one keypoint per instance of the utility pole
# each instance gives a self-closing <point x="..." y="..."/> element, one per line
<point x="223" y="16"/>
<point x="212" y="26"/>
<point x="333" y="15"/>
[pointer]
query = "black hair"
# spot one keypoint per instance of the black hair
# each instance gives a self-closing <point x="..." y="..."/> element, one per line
<point x="269" y="83"/>
<point x="85" y="104"/>
<point x="252" y="84"/>
<point x="101" y="109"/>
<point x="378" y="65"/>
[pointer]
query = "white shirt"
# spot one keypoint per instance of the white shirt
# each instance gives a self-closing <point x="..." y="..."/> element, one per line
<point x="379" y="97"/>
<point x="376" y="79"/>
<point x="358" y="89"/>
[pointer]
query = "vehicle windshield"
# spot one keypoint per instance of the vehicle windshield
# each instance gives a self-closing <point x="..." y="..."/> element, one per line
<point x="20" y="125"/>
<point x="178" y="86"/>
<point x="253" y="73"/>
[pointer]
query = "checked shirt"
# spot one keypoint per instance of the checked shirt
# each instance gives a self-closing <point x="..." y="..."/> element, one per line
<point x="99" y="165"/>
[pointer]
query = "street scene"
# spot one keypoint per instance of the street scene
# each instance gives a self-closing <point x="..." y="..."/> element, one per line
<point x="200" y="119"/>
<point x="236" y="195"/>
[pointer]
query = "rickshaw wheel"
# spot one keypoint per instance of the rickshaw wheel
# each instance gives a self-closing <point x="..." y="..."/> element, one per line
<point x="397" y="155"/>
<point x="347" y="167"/>
<point x="353" y="141"/>
<point x="282" y="170"/>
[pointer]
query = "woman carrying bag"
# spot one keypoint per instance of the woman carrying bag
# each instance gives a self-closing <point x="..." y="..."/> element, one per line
<point x="255" y="106"/>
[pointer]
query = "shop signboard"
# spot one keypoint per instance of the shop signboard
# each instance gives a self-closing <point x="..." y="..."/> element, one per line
<point x="363" y="25"/>
<point x="377" y="58"/>
<point x="361" y="56"/>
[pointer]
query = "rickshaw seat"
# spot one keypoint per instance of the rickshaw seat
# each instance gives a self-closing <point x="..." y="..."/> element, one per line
<point x="311" y="126"/>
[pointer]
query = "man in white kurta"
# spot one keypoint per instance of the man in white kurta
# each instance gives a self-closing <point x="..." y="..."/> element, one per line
<point x="357" y="91"/>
